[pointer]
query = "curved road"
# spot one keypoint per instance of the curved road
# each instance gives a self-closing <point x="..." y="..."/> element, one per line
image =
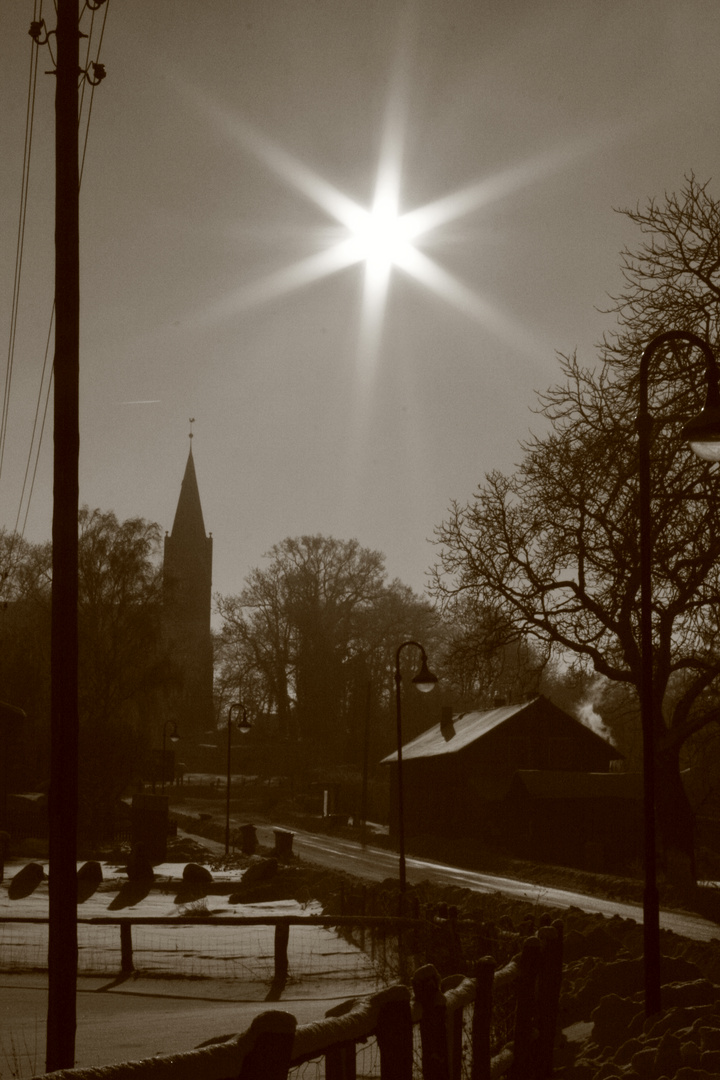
<point x="376" y="864"/>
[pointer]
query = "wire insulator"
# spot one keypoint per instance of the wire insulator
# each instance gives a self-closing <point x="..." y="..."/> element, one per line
<point x="36" y="32"/>
<point x="98" y="73"/>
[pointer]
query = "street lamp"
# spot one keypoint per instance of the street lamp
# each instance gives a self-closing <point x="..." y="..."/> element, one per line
<point x="243" y="727"/>
<point x="174" y="737"/>
<point x="703" y="435"/>
<point x="425" y="681"/>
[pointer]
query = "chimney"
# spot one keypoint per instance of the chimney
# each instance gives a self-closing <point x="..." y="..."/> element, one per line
<point x="446" y="717"/>
<point x="499" y="702"/>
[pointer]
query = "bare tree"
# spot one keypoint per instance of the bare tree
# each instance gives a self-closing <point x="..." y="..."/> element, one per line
<point x="298" y="625"/>
<point x="554" y="547"/>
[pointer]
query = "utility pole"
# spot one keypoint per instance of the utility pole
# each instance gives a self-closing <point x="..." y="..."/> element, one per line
<point x="63" y="796"/>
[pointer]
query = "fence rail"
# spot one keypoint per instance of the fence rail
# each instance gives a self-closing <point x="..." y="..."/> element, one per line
<point x="280" y="923"/>
<point x="274" y="1047"/>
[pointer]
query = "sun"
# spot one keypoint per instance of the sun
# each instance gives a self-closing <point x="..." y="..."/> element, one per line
<point x="383" y="238"/>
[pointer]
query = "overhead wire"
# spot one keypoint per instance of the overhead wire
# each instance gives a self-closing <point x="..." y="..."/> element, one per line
<point x="34" y="431"/>
<point x="39" y="404"/>
<point x="92" y="85"/>
<point x="19" y="248"/>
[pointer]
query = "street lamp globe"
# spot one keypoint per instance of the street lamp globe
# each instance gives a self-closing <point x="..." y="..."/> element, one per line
<point x="244" y="725"/>
<point x="425" y="679"/>
<point x="703" y="431"/>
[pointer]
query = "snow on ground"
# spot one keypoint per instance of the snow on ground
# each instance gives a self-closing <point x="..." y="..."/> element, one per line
<point x="192" y="982"/>
<point x="202" y="950"/>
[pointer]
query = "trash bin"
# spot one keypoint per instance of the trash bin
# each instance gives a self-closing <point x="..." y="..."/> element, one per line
<point x="248" y="839"/>
<point x="283" y="843"/>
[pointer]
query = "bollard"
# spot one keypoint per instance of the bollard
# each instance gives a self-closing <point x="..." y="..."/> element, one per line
<point x="248" y="839"/>
<point x="283" y="843"/>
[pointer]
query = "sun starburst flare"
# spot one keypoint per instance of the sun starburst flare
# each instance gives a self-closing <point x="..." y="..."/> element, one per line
<point x="383" y="238"/>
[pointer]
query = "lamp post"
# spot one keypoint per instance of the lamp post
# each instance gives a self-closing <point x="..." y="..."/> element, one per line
<point x="703" y="434"/>
<point x="425" y="681"/>
<point x="174" y="737"/>
<point x="243" y="727"/>
<point x="9" y="714"/>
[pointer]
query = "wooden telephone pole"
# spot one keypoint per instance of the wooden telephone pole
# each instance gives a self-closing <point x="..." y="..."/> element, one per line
<point x="63" y="797"/>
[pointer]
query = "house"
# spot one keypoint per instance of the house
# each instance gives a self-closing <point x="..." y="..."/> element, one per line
<point x="589" y="819"/>
<point x="474" y="774"/>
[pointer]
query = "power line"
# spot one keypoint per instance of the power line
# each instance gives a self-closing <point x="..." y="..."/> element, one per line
<point x="24" y="185"/>
<point x="34" y="430"/>
<point x="38" y="428"/>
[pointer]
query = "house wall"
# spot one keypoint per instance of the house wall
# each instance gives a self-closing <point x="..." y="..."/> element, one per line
<point x="596" y="834"/>
<point x="459" y="793"/>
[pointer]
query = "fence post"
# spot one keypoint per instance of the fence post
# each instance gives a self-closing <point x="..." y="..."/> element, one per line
<point x="482" y="1019"/>
<point x="433" y="1028"/>
<point x="454" y="1043"/>
<point x="282" y="936"/>
<point x="528" y="968"/>
<point x="340" y="1058"/>
<point x="340" y="1062"/>
<point x="269" y="1058"/>
<point x="549" y="983"/>
<point x="126" y="949"/>
<point x="454" y="1026"/>
<point x="395" y="1039"/>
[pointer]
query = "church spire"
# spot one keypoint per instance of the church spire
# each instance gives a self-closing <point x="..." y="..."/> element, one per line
<point x="187" y="602"/>
<point x="188" y="524"/>
<point x="188" y="552"/>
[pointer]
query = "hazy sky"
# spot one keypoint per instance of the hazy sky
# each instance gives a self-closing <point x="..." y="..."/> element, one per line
<point x="232" y="149"/>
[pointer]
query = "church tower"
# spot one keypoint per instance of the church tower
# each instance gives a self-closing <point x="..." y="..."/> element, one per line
<point x="187" y="600"/>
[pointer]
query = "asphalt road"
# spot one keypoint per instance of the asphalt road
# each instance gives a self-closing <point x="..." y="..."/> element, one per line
<point x="376" y="864"/>
<point x="135" y="1019"/>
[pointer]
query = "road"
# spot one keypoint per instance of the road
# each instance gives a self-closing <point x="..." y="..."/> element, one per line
<point x="376" y="864"/>
<point x="140" y="1016"/>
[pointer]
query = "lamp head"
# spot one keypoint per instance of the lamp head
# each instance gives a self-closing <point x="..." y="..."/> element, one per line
<point x="244" y="725"/>
<point x="425" y="679"/>
<point x="703" y="431"/>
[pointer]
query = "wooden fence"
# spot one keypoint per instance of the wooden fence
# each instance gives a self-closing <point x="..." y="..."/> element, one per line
<point x="382" y="924"/>
<point x="450" y="1048"/>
